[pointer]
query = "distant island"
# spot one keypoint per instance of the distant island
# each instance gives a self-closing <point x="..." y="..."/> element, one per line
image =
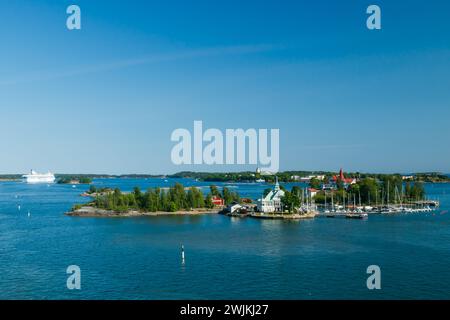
<point x="245" y="176"/>
<point x="10" y="177"/>
<point x="304" y="176"/>
<point x="74" y="180"/>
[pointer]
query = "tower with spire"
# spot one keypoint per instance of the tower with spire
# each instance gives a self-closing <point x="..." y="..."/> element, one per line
<point x="272" y="201"/>
<point x="277" y="185"/>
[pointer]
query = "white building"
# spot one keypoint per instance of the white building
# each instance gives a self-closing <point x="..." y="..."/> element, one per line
<point x="234" y="207"/>
<point x="272" y="201"/>
<point x="312" y="192"/>
<point x="264" y="173"/>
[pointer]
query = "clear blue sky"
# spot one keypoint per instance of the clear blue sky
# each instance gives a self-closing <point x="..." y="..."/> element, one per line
<point x="106" y="98"/>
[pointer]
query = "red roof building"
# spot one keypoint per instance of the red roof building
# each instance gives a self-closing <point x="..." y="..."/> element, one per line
<point x="217" y="201"/>
<point x="342" y="178"/>
<point x="312" y="191"/>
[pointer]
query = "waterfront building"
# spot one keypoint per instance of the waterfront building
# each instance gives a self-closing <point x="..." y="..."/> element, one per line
<point x="336" y="179"/>
<point x="307" y="179"/>
<point x="234" y="207"/>
<point x="333" y="183"/>
<point x="218" y="201"/>
<point x="343" y="179"/>
<point x="312" y="192"/>
<point x="272" y="201"/>
<point x="260" y="172"/>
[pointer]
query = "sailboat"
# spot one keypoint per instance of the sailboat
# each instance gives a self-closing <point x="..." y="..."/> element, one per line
<point x="357" y="213"/>
<point x="327" y="212"/>
<point x="339" y="212"/>
<point x="386" y="209"/>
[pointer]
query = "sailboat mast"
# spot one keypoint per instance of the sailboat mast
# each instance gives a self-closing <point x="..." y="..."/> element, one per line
<point x="387" y="196"/>
<point x="343" y="200"/>
<point x="332" y="201"/>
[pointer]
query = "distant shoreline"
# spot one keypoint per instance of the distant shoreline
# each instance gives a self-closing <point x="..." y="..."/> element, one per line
<point x="245" y="176"/>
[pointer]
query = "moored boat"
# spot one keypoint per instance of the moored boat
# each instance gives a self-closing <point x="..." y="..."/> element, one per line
<point x="356" y="215"/>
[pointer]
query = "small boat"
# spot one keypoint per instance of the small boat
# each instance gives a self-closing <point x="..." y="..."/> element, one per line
<point x="356" y="215"/>
<point x="329" y="214"/>
<point x="238" y="214"/>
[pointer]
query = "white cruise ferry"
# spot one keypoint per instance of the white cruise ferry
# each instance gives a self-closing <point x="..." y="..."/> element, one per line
<point x="35" y="177"/>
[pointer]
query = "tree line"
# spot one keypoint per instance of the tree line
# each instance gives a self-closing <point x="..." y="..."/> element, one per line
<point x="388" y="189"/>
<point x="173" y="199"/>
<point x="70" y="179"/>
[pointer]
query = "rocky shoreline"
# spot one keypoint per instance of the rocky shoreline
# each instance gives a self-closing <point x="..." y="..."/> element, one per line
<point x="96" y="212"/>
<point x="87" y="211"/>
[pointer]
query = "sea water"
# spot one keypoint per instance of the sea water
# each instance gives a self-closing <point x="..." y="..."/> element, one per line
<point x="225" y="258"/>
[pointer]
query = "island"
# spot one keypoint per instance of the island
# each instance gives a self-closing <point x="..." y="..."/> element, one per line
<point x="10" y="177"/>
<point x="304" y="176"/>
<point x="180" y="200"/>
<point x="74" y="179"/>
<point x="257" y="176"/>
<point x="342" y="194"/>
<point x="175" y="200"/>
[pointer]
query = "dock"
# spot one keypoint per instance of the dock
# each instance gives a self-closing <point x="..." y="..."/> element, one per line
<point x="283" y="216"/>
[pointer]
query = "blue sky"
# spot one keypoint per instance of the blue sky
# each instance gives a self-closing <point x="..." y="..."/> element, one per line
<point x="105" y="99"/>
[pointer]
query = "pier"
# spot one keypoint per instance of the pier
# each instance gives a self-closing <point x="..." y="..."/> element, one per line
<point x="285" y="216"/>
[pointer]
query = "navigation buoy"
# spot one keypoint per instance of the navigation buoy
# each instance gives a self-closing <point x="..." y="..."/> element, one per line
<point x="182" y="254"/>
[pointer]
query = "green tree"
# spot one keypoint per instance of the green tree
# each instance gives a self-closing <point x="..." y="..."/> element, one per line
<point x="315" y="183"/>
<point x="417" y="191"/>
<point x="296" y="191"/>
<point x="214" y="191"/>
<point x="368" y="188"/>
<point x="208" y="202"/>
<point x="227" y="196"/>
<point x="92" y="189"/>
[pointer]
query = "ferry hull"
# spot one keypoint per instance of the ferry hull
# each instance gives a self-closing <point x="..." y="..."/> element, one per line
<point x="38" y="180"/>
<point x="35" y="177"/>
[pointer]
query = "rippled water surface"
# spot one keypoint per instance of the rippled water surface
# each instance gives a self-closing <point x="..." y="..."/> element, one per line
<point x="139" y="258"/>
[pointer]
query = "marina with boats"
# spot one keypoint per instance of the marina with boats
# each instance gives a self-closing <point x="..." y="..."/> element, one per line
<point x="351" y="210"/>
<point x="310" y="202"/>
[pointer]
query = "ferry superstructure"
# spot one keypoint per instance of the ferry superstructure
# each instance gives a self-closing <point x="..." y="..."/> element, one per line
<point x="35" y="177"/>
